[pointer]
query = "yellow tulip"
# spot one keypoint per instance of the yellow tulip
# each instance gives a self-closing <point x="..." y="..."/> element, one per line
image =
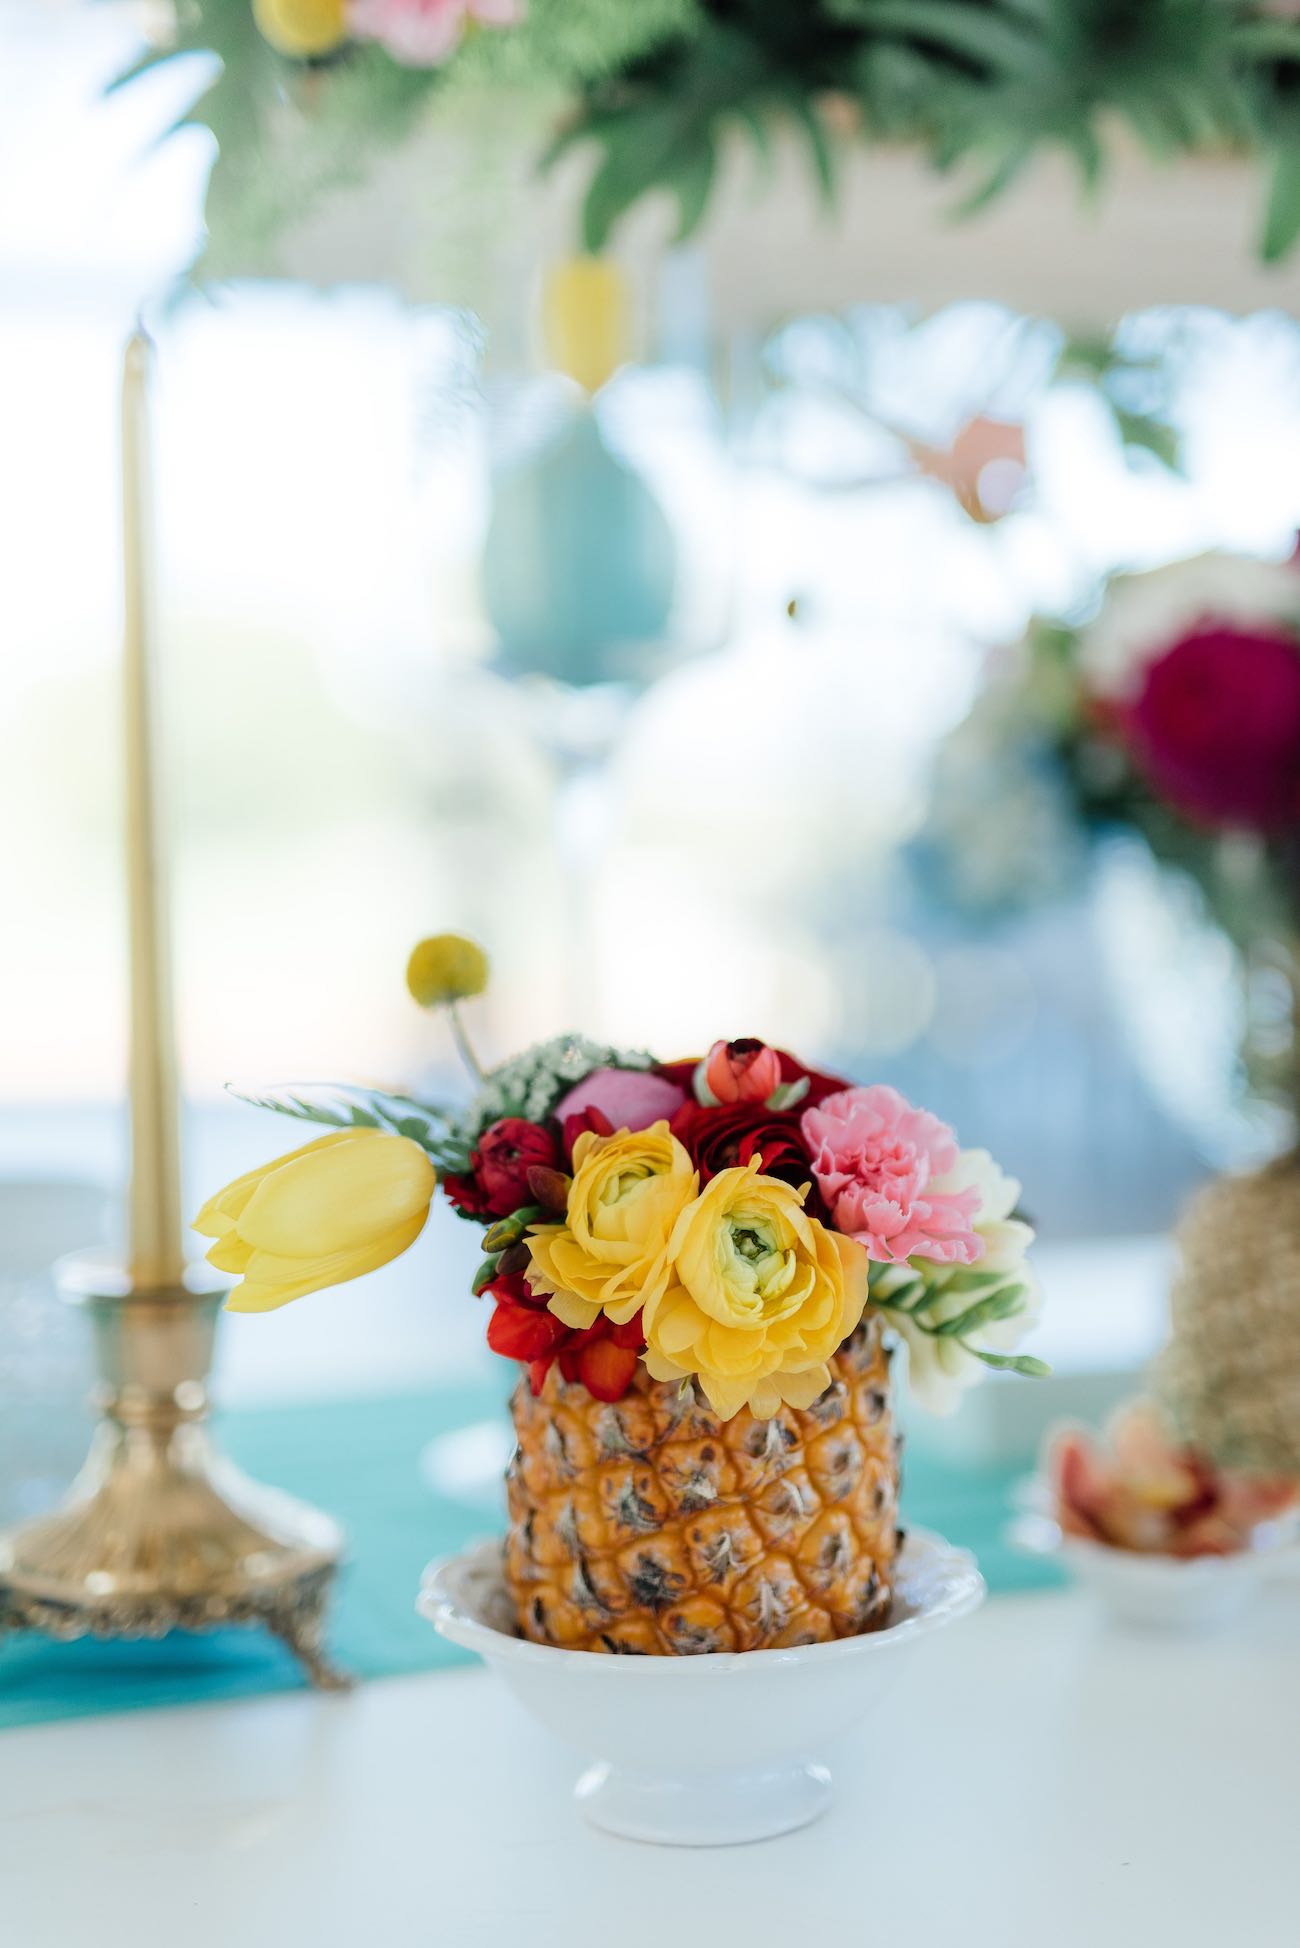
<point x="609" y="1254"/>
<point x="301" y="28"/>
<point x="341" y="1206"/>
<point x="758" y="1298"/>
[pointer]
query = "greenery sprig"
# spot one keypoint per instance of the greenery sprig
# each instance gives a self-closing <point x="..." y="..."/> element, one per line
<point x="953" y="1304"/>
<point x="341" y="1106"/>
<point x="655" y="89"/>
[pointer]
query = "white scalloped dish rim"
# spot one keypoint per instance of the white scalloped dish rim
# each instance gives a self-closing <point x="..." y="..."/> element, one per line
<point x="934" y="1583"/>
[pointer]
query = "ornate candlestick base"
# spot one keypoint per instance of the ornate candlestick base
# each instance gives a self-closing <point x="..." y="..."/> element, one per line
<point x="159" y="1532"/>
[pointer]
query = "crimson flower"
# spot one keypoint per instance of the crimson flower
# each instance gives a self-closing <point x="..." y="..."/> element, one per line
<point x="497" y="1181"/>
<point x="527" y="1333"/>
<point x="734" y="1133"/>
<point x="572" y="1127"/>
<point x="602" y="1358"/>
<point x="1215" y="727"/>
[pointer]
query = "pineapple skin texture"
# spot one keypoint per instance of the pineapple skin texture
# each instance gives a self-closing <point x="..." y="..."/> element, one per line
<point x="648" y="1527"/>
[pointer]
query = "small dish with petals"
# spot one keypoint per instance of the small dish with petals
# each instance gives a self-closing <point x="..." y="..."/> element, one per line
<point x="1153" y="1528"/>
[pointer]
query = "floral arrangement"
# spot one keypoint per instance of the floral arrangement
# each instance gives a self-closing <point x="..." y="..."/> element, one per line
<point x="724" y="1221"/>
<point x="1173" y="714"/>
<point x="416" y="33"/>
<point x="1143" y="1490"/>
<point x="1175" y="709"/>
<point x="1189" y="696"/>
<point x="306" y="87"/>
<point x="702" y="1268"/>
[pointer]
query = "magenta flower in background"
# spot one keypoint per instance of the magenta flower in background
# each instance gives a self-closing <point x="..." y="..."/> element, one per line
<point x="424" y="33"/>
<point x="881" y="1167"/>
<point x="1214" y="726"/>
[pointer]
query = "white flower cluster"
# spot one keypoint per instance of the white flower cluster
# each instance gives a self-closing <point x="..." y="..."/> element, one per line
<point x="531" y="1083"/>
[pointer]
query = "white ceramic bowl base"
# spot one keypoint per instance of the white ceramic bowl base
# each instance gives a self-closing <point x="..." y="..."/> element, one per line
<point x="1159" y="1592"/>
<point x="712" y="1809"/>
<point x="711" y="1750"/>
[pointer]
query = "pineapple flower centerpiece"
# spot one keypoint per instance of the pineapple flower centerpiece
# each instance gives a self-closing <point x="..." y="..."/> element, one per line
<point x="702" y="1268"/>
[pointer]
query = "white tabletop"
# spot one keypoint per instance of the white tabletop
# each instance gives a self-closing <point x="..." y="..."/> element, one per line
<point x="1039" y="1780"/>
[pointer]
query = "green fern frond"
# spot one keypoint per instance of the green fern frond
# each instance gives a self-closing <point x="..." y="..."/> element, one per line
<point x="656" y="87"/>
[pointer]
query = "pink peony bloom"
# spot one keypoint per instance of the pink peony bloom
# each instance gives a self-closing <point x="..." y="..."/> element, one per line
<point x="424" y="33"/>
<point x="746" y="1071"/>
<point x="880" y="1166"/>
<point x="629" y="1099"/>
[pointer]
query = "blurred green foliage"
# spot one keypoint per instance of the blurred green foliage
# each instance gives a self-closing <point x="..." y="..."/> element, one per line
<point x="653" y="87"/>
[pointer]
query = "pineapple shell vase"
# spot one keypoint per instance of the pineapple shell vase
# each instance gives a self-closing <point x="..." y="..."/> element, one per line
<point x="1230" y="1375"/>
<point x="646" y="1526"/>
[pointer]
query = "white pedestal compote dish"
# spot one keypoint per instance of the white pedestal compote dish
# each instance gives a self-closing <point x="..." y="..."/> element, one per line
<point x="708" y="1750"/>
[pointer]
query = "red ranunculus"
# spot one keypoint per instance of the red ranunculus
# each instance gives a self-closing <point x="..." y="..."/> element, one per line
<point x="603" y="1357"/>
<point x="514" y="1286"/>
<point x="792" y="1070"/>
<point x="1215" y="728"/>
<point x="525" y="1332"/>
<point x="572" y="1127"/>
<point x="718" y="1139"/>
<point x="497" y="1183"/>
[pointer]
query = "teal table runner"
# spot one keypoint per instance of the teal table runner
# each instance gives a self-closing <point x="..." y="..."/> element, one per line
<point x="360" y="1459"/>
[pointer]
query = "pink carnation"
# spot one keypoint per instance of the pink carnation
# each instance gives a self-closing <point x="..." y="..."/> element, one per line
<point x="423" y="33"/>
<point x="880" y="1166"/>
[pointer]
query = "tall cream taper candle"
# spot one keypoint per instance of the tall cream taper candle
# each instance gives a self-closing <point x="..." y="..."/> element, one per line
<point x="155" y="1249"/>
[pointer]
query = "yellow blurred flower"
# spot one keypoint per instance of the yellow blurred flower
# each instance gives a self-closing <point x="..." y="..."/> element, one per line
<point x="445" y="968"/>
<point x="585" y="319"/>
<point x="301" y="28"/>
<point x="758" y="1298"/>
<point x="338" y="1207"/>
<point x="609" y="1254"/>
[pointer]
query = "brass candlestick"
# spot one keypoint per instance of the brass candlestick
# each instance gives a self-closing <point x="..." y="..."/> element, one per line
<point x="159" y="1531"/>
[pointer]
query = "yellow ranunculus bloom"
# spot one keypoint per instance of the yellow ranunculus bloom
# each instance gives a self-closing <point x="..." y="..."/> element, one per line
<point x="340" y="1206"/>
<point x="446" y="967"/>
<point x="759" y="1297"/>
<point x="301" y="28"/>
<point x="609" y="1254"/>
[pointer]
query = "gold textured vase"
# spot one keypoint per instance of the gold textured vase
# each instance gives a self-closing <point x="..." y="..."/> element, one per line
<point x="159" y="1531"/>
<point x="1230" y="1375"/>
